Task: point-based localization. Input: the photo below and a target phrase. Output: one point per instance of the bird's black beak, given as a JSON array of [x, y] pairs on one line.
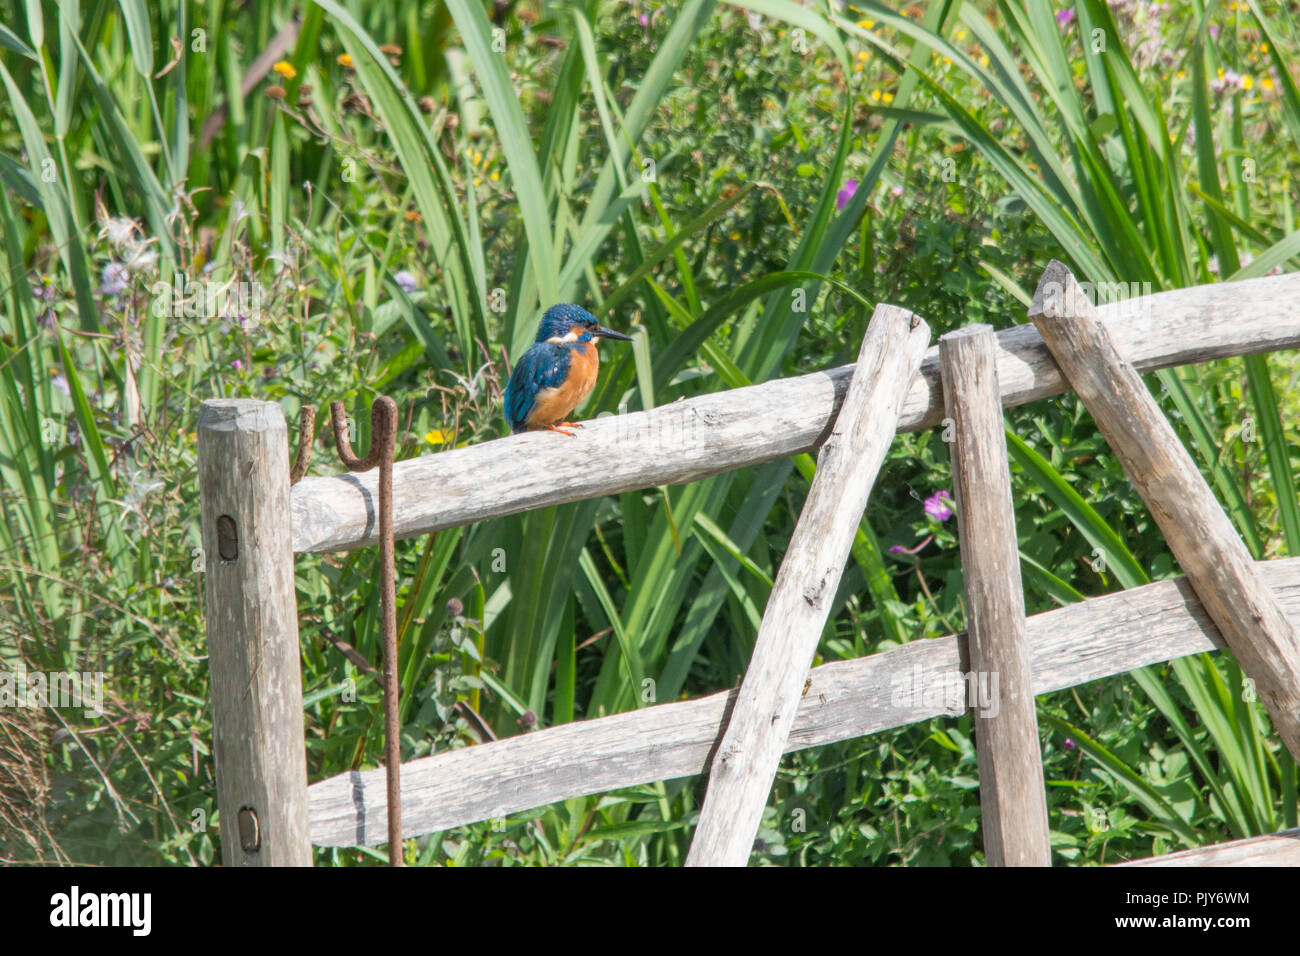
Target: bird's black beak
[[601, 332]]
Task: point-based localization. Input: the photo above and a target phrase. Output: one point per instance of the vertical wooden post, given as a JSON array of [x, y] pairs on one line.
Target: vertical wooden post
[[741, 774], [252, 623], [1198, 532], [1000, 689]]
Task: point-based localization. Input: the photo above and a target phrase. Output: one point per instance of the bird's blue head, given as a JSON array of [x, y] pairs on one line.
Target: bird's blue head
[[571, 323]]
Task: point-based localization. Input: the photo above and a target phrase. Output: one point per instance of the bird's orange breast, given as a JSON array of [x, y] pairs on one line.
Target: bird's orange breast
[[554, 404]]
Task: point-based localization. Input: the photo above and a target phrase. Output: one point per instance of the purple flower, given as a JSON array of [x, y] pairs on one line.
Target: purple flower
[[643, 20], [935, 506], [1069, 744], [1064, 17], [897, 192], [844, 195], [897, 549], [1214, 30], [237, 365], [113, 280], [406, 281]]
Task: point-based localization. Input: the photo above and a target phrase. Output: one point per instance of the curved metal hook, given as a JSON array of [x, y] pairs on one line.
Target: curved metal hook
[[383, 434]]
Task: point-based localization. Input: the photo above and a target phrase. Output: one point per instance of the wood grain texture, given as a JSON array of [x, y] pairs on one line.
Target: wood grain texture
[[252, 625], [1073, 645], [1013, 796], [710, 434], [1274, 849], [742, 771], [1198, 532]]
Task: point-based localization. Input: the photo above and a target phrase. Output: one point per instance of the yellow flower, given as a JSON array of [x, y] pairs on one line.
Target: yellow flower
[[1180, 75], [863, 55], [285, 69], [887, 97], [735, 236], [1263, 48], [1267, 82], [857, 67], [478, 181], [345, 60], [866, 24], [1247, 81], [875, 96], [435, 437], [984, 59], [959, 35], [495, 175]]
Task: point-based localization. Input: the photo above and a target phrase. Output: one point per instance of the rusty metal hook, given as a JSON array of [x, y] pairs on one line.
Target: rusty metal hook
[[383, 434], [383, 440], [306, 436]]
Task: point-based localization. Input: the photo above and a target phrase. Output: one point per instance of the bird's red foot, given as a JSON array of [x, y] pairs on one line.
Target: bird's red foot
[[569, 424], [556, 428]]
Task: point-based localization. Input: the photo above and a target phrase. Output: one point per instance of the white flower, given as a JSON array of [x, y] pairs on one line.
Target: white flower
[[119, 231], [140, 258]]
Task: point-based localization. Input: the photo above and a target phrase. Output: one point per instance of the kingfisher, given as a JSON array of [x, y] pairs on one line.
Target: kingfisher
[[557, 372]]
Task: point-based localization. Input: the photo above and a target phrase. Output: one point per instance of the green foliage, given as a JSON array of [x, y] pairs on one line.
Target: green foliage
[[392, 206]]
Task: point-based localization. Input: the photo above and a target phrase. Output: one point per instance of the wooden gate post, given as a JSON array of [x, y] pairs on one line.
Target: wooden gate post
[[1012, 792], [252, 623]]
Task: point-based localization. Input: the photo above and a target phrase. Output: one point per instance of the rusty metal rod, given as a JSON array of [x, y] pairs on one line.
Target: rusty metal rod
[[306, 436], [383, 439]]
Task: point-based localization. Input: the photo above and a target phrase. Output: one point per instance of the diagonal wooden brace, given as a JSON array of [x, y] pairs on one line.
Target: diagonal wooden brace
[[742, 771], [1199, 533]]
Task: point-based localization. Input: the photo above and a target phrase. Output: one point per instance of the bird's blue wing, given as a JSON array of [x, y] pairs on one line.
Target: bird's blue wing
[[542, 366]]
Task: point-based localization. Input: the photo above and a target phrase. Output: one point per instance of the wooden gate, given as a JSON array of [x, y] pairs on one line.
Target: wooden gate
[[254, 524]]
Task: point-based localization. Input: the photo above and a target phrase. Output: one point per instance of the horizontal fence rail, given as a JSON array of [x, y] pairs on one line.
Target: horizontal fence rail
[[1097, 638], [1275, 849], [710, 434]]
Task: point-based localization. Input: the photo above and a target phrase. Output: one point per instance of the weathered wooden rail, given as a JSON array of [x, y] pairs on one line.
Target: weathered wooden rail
[[253, 634], [722, 431], [1072, 645]]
